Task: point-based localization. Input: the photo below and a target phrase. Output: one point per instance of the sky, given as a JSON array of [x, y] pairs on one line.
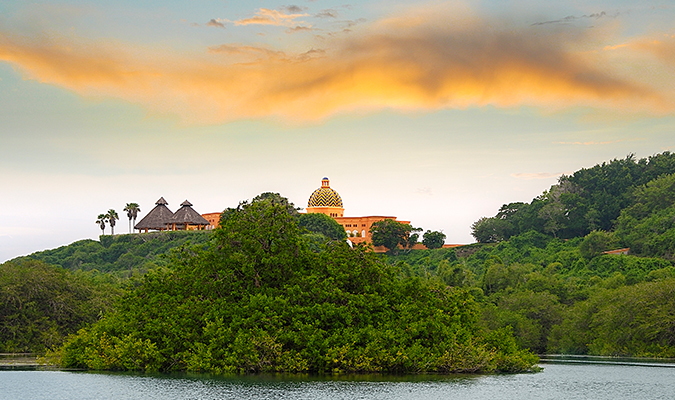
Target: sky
[[436, 112]]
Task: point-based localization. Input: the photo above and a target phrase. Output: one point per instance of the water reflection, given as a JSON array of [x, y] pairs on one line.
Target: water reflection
[[557, 381]]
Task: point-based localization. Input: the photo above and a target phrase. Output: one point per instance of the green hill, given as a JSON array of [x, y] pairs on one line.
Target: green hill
[[541, 269], [121, 254]]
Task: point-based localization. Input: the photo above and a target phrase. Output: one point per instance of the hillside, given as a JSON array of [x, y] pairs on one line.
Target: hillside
[[121, 254], [541, 270]]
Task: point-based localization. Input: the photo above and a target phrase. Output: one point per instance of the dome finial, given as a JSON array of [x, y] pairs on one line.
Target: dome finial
[[325, 183]]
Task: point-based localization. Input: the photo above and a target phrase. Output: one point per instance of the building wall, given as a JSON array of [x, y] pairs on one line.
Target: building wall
[[333, 212], [358, 228], [214, 220]]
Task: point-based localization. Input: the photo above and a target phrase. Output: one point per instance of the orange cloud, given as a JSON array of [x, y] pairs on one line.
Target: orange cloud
[[405, 64], [270, 17]]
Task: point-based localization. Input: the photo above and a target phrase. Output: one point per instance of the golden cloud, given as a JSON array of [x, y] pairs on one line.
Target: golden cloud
[[661, 47], [405, 64], [270, 17]]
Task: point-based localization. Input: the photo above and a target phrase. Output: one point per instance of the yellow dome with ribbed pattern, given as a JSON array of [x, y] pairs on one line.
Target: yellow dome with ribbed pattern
[[325, 196]]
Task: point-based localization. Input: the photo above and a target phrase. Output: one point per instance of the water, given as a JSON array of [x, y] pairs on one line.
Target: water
[[557, 381]]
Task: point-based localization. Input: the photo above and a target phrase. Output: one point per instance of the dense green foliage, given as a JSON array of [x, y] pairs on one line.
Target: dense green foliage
[[393, 234], [121, 254], [590, 199], [558, 300], [322, 224], [541, 269], [40, 304], [257, 299], [433, 239]]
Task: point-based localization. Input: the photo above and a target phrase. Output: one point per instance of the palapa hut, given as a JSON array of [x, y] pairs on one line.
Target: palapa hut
[[157, 219], [187, 218]]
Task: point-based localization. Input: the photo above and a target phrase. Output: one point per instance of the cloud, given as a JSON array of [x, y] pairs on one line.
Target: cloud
[[414, 62], [328, 13], [572, 18], [238, 49], [215, 23], [537, 175], [265, 16], [293, 9], [662, 47], [299, 28]]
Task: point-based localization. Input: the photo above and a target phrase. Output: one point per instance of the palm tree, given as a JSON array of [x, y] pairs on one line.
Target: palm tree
[[101, 220], [112, 216], [132, 210]]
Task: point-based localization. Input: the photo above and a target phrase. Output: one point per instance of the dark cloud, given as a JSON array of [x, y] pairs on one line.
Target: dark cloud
[[572, 18], [328, 13], [354, 22], [299, 28], [293, 9], [215, 24]]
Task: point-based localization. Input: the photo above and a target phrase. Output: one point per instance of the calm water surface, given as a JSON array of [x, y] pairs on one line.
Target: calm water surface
[[557, 381]]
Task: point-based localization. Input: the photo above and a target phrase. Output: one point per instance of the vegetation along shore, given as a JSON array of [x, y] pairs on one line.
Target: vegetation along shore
[[585, 268]]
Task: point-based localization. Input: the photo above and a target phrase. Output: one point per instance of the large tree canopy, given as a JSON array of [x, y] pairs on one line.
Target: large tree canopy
[[391, 234], [323, 224]]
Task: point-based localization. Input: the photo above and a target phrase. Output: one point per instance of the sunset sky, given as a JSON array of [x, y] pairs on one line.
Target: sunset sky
[[435, 112]]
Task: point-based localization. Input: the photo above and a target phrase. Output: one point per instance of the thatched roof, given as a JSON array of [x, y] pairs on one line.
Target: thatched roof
[[157, 218], [187, 215]]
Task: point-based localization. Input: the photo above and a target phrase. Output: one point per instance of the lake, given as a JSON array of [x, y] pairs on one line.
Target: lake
[[564, 381]]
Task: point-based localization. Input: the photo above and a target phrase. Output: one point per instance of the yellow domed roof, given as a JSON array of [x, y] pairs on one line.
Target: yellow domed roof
[[325, 196]]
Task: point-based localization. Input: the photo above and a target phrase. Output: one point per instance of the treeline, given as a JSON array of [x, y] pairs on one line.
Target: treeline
[[555, 299], [541, 270], [263, 296], [588, 200], [41, 304], [121, 255]]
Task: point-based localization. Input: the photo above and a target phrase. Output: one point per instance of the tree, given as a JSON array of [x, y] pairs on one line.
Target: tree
[[132, 210], [433, 240], [101, 220], [323, 224], [390, 234], [112, 216], [276, 198], [595, 243], [489, 230], [413, 238]]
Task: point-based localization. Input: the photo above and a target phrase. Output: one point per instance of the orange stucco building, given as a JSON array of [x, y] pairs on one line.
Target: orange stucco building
[[325, 200]]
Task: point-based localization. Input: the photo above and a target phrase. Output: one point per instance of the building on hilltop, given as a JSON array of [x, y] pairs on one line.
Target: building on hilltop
[[157, 218], [325, 200], [161, 218], [186, 218]]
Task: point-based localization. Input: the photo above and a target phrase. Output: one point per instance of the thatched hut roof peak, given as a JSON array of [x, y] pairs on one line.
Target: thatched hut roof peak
[[157, 218], [187, 215]]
